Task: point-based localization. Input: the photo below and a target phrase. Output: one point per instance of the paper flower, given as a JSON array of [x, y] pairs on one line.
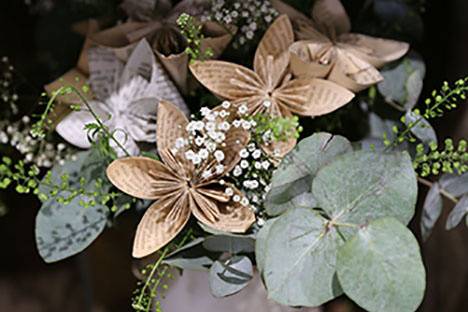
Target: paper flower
[[125, 99], [270, 88], [179, 185], [328, 50], [156, 21]]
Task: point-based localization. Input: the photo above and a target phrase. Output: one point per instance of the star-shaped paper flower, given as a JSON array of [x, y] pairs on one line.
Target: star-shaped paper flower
[[270, 88], [125, 99], [328, 50], [179, 184]]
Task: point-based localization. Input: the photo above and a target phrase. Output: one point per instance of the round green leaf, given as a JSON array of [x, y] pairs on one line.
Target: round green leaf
[[63, 230], [295, 173], [299, 260], [230, 276], [381, 269], [362, 186], [260, 244]]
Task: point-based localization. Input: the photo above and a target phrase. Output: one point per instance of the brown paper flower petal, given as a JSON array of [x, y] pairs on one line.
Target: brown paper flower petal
[[294, 96], [217, 37], [232, 217], [272, 70], [177, 67], [275, 42], [353, 73], [311, 59], [227, 80], [332, 15], [143, 177], [326, 97], [171, 125], [160, 224], [376, 51]]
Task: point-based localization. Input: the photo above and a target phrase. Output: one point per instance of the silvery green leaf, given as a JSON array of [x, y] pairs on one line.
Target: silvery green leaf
[[299, 259], [457, 185], [414, 86], [233, 245], [190, 257], [65, 230], [456, 215], [397, 86], [260, 244], [431, 210], [423, 129], [381, 268], [361, 186], [297, 169], [230, 276]]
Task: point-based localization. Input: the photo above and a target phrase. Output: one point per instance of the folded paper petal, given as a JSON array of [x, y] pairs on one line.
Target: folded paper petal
[[311, 59], [143, 177], [227, 80], [72, 127], [353, 73], [105, 72], [326, 96], [332, 15], [141, 119], [126, 143], [172, 124], [275, 42], [224, 216], [294, 96], [376, 51], [160, 224], [140, 63]]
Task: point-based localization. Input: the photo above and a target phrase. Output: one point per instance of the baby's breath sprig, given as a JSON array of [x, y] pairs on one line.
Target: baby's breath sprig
[[252, 17], [275, 129], [151, 290], [440, 101], [192, 31], [451, 159]]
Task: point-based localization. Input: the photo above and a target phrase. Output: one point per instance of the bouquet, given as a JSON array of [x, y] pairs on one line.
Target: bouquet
[[251, 138]]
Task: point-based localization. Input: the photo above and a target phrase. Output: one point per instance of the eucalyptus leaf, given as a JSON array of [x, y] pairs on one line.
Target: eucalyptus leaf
[[362, 186], [260, 244], [455, 184], [233, 245], [65, 230], [299, 259], [423, 129], [296, 171], [402, 84], [456, 215], [381, 269], [230, 276], [190, 257], [431, 210]]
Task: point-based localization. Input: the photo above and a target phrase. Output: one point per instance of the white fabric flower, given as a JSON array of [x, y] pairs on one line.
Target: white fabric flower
[[126, 99]]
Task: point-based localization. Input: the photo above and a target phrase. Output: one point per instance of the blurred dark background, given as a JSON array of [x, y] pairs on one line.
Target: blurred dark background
[[41, 46]]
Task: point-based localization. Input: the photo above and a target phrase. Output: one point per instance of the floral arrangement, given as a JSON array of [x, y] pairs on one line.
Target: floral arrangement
[[233, 162]]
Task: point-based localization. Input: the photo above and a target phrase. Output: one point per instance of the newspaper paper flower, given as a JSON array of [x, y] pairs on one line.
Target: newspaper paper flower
[[125, 99], [156, 21], [179, 186], [328, 49], [270, 88]]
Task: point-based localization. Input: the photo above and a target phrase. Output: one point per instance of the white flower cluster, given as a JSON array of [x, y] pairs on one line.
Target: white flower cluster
[[252, 17], [39, 153]]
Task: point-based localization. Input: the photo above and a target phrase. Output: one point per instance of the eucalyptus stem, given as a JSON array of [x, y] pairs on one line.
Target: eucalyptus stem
[[442, 191]]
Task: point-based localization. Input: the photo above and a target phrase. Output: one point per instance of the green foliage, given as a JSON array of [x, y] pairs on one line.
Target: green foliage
[[281, 129], [295, 173], [192, 31], [230, 276], [355, 193], [450, 159], [381, 268], [65, 230], [444, 100], [147, 296]]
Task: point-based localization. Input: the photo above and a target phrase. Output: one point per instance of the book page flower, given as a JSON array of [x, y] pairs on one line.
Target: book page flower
[[180, 184], [327, 48], [125, 99], [270, 88]]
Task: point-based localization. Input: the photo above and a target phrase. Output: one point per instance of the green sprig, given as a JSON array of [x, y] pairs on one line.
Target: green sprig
[[192, 31]]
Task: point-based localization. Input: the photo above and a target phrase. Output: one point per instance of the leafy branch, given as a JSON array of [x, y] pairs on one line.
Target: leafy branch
[[192, 31]]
